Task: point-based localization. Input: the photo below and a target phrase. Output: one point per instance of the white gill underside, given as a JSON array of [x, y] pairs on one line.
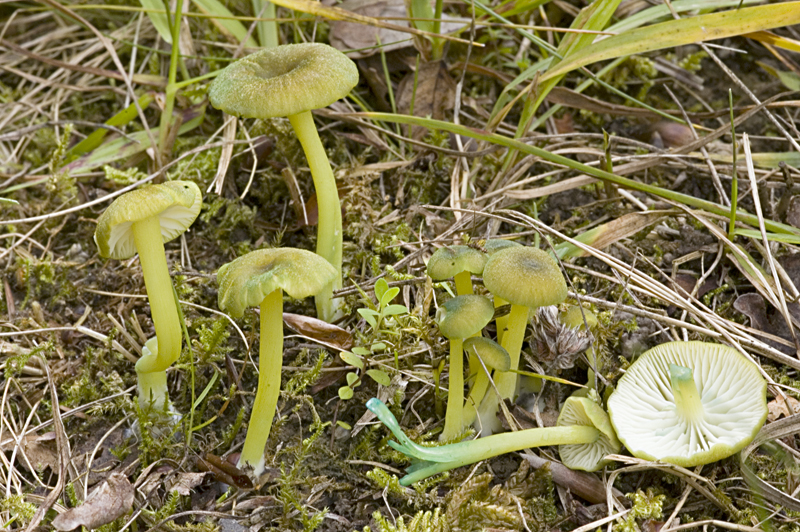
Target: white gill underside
[[648, 420], [173, 221]]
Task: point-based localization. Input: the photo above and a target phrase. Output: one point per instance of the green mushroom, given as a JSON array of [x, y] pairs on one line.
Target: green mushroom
[[292, 80], [142, 220], [574, 429], [458, 262], [689, 403], [459, 318], [259, 279], [527, 278], [494, 357]]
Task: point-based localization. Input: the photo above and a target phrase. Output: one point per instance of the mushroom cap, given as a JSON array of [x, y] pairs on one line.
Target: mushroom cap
[[496, 244], [492, 353], [730, 388], [525, 276], [283, 81], [176, 203], [449, 262], [246, 281], [463, 316], [587, 456]]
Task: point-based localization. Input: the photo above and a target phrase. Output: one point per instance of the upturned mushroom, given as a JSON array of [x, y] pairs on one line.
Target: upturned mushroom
[[292, 80], [574, 430], [688, 403], [527, 278], [142, 221], [259, 279], [459, 318]]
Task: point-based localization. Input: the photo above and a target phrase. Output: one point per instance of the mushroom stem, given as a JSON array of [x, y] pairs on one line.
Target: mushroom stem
[[505, 381], [502, 321], [463, 282], [687, 398], [329, 228], [453, 419], [153, 389], [270, 360], [445, 457], [149, 244], [477, 392]]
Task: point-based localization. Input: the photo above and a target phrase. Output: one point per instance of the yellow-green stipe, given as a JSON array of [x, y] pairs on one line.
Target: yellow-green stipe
[[329, 228], [506, 381], [453, 420], [147, 236], [152, 387], [463, 282], [684, 389], [270, 361]]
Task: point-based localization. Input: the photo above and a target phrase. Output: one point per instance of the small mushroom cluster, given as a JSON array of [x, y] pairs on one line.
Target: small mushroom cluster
[[684, 403]]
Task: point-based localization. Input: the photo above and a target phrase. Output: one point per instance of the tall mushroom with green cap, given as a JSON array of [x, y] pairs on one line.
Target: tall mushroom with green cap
[[292, 80], [259, 279], [427, 461], [460, 318], [142, 220], [458, 262], [527, 278], [688, 403], [491, 247]]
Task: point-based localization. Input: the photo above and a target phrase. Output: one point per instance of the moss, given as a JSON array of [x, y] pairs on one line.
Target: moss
[[646, 505]]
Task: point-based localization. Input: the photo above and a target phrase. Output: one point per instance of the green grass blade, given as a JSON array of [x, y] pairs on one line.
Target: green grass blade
[[681, 32], [228, 24], [156, 13]]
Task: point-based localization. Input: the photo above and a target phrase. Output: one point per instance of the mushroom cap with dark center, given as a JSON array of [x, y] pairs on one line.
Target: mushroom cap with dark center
[[176, 203], [587, 456], [492, 353], [525, 276], [284, 81], [730, 390], [246, 281], [463, 316], [450, 261]]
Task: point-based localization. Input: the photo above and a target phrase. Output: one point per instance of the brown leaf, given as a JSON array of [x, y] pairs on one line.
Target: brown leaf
[[111, 500], [778, 408], [434, 94], [40, 452], [319, 330], [361, 40], [184, 483]]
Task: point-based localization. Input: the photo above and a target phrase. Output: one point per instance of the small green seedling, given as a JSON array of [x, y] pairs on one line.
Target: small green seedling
[[377, 317]]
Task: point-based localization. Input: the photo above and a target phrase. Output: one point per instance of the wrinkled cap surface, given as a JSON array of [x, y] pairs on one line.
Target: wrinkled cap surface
[[587, 456], [176, 203], [731, 390], [283, 81], [449, 262], [246, 281], [463, 316], [492, 353], [525, 276]]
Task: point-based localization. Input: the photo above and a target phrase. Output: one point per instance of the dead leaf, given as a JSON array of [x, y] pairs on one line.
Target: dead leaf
[[184, 483], [319, 330], [361, 40], [778, 408], [40, 451], [433, 95], [111, 500]]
